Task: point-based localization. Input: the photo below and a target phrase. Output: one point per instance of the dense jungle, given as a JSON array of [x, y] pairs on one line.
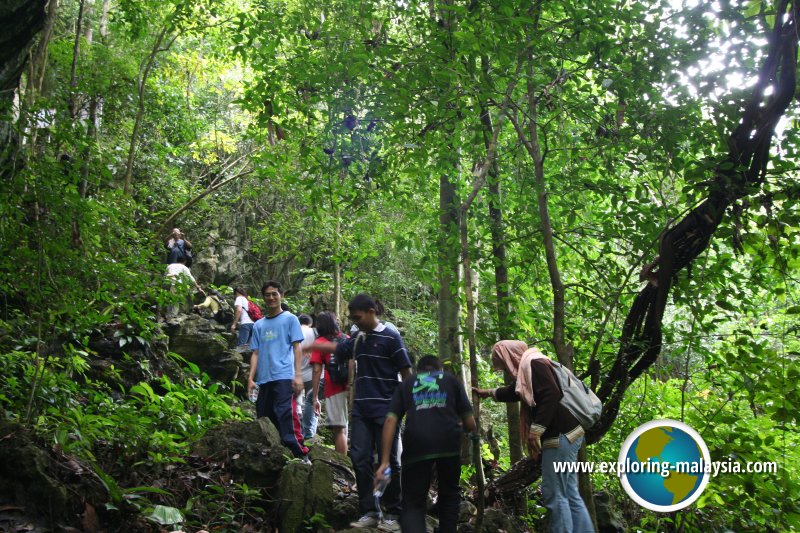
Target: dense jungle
[[614, 182]]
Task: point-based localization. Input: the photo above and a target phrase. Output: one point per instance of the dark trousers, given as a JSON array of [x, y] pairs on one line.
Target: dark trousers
[[277, 402], [365, 441], [417, 481]]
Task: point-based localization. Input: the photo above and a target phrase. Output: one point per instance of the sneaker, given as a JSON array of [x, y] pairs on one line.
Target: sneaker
[[306, 460], [368, 520], [389, 524]]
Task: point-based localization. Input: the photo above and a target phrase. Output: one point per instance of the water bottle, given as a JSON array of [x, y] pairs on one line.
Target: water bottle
[[254, 394], [387, 477]]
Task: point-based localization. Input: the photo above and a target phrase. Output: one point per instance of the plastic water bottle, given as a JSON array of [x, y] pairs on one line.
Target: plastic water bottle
[[387, 477], [254, 394]]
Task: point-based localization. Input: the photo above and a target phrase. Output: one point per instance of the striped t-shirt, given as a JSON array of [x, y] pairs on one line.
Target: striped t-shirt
[[380, 355]]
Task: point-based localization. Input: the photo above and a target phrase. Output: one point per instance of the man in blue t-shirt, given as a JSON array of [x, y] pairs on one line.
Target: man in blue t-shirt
[[275, 368]]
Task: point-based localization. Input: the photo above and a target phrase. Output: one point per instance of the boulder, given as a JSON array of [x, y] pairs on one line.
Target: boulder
[[205, 343], [132, 363], [44, 483], [609, 516], [304, 491], [252, 450]]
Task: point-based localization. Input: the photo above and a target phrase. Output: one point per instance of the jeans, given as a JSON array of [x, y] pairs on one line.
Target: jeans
[[568, 513], [310, 417], [417, 481], [276, 401], [245, 330], [365, 441]]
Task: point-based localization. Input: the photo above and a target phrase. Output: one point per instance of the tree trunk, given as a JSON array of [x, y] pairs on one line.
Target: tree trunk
[[472, 348], [76, 52], [449, 275], [502, 304], [9, 81], [104, 20], [91, 123], [137, 124], [38, 61]]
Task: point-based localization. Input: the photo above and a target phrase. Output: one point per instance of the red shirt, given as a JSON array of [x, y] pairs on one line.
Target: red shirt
[[320, 358]]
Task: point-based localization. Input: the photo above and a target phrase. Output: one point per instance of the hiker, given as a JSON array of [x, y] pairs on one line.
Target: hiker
[[379, 356], [310, 415], [241, 318], [178, 245], [335, 393], [176, 274], [217, 306], [548, 428], [275, 368], [437, 414], [379, 311]]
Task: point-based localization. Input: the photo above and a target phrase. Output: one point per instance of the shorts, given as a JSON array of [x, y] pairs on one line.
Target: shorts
[[336, 410]]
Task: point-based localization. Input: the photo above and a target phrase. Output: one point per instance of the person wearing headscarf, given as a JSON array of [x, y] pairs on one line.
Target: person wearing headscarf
[[547, 427]]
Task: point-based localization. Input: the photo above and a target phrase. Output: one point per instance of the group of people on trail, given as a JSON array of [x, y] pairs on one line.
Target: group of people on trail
[[370, 404], [291, 360]]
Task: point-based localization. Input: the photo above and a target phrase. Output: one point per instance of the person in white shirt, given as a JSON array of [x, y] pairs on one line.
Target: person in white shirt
[[176, 273], [241, 318], [310, 416]]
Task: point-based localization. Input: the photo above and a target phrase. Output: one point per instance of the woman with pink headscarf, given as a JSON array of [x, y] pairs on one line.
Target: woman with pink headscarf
[[547, 427]]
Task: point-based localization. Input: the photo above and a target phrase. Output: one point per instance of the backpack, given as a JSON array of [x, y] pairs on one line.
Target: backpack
[[579, 399], [253, 311], [225, 314], [339, 368], [181, 252]]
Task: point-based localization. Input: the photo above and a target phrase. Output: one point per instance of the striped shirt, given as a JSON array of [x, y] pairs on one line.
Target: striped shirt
[[380, 356]]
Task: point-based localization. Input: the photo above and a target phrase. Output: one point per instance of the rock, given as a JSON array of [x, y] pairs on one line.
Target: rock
[[205, 343], [344, 505], [609, 517], [496, 520], [45, 484], [132, 363], [304, 490], [254, 455], [253, 451], [220, 255], [466, 511]]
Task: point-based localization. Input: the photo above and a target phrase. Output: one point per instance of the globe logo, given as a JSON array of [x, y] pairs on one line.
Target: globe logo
[[664, 465]]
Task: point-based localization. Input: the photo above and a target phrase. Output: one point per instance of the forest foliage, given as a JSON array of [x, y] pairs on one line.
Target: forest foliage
[[326, 133]]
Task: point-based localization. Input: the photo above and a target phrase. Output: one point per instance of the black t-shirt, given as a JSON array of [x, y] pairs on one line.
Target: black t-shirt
[[435, 403]]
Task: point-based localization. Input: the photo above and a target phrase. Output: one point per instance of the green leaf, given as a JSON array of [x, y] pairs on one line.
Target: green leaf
[[724, 304], [166, 516]]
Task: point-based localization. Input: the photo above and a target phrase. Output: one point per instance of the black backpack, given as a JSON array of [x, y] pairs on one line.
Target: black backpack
[[187, 254], [225, 314], [339, 368]]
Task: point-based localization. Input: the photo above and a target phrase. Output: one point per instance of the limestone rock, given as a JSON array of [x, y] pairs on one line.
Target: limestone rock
[[253, 451], [205, 343], [132, 363], [609, 517], [304, 490], [48, 485]]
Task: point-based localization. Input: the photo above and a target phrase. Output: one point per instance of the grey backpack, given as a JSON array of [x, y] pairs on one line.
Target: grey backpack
[[581, 401]]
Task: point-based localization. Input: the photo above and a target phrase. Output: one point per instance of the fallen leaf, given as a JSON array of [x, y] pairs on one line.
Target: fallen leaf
[[89, 520]]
